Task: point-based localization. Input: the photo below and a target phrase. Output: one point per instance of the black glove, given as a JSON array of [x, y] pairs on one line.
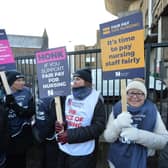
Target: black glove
[[20, 111], [10, 101]]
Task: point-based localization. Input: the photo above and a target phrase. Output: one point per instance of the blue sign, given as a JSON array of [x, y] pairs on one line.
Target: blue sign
[[53, 73]]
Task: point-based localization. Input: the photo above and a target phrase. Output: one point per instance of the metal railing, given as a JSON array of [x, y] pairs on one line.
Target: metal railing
[[91, 58]]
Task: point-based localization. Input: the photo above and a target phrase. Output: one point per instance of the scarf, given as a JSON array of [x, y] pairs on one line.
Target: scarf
[[81, 92]]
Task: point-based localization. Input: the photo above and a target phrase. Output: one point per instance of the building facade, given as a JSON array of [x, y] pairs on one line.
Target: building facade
[[23, 45]]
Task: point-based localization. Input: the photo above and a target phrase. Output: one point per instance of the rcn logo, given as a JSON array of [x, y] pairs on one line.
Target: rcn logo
[[117, 73]]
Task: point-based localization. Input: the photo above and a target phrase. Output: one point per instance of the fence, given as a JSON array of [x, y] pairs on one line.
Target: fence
[[156, 67]]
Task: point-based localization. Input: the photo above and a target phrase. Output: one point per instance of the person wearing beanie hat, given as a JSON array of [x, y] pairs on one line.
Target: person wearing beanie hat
[[136, 132], [85, 121], [136, 93], [12, 76], [85, 74], [20, 108], [137, 84]]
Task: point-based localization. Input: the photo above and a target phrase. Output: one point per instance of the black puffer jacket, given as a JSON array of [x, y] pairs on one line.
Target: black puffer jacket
[[4, 136]]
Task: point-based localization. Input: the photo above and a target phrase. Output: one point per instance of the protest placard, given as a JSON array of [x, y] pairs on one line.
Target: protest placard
[[7, 61], [122, 49], [53, 75]]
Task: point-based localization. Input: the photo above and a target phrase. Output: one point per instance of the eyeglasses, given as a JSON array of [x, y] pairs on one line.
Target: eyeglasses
[[137, 94]]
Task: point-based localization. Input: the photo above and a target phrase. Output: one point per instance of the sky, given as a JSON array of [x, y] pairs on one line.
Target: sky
[[67, 22]]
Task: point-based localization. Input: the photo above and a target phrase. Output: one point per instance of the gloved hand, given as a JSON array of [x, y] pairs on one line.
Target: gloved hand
[[130, 133], [20, 111], [10, 101], [59, 127], [62, 137], [123, 120]]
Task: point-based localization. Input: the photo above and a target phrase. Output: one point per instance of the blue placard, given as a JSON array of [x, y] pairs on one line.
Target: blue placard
[[53, 73]]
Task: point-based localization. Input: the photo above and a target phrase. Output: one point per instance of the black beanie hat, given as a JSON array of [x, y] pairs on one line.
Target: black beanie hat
[[12, 76], [85, 74]]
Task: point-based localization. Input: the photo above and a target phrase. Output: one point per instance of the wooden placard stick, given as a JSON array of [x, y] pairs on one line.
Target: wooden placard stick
[[58, 109], [5, 83], [123, 95]]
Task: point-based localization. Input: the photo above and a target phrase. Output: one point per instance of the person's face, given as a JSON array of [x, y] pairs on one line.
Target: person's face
[[18, 84], [77, 82], [135, 97]]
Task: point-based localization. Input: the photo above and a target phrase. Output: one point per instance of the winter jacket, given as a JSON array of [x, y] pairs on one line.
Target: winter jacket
[[150, 134], [82, 134], [19, 115], [44, 125], [19, 121], [4, 136], [44, 130]]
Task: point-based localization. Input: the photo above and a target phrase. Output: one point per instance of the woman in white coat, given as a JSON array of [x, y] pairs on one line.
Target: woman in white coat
[[134, 132]]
